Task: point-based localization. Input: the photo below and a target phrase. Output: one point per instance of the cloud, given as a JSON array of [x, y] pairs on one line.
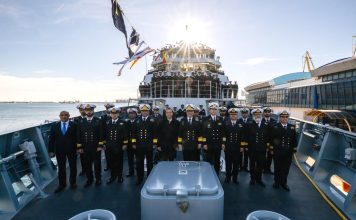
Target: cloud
[[83, 9], [257, 61], [63, 88], [44, 71]]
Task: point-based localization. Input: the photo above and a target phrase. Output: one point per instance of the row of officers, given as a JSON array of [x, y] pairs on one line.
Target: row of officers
[[252, 141]]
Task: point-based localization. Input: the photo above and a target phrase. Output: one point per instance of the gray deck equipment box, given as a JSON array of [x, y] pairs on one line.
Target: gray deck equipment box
[[182, 190]]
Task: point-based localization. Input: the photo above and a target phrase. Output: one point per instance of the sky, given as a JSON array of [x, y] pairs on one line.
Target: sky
[[64, 49]]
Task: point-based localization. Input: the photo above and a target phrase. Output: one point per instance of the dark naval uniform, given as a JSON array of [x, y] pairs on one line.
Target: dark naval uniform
[[213, 138], [233, 139], [244, 155], [167, 133], [284, 144], [115, 137], [130, 126], [103, 119], [88, 138], [144, 136], [78, 120], [189, 137], [258, 137], [270, 122]]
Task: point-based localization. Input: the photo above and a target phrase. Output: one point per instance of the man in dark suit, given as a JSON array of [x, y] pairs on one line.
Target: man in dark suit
[[62, 141], [167, 134], [283, 145], [258, 137], [270, 122]]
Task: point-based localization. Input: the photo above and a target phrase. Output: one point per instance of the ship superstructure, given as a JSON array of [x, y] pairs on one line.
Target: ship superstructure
[[187, 73]]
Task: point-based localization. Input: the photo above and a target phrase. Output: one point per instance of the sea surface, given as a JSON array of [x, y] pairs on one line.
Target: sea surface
[[16, 116]]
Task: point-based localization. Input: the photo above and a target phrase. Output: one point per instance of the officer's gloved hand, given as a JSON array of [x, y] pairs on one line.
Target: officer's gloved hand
[[241, 149], [133, 146], [80, 151], [180, 147], [124, 147], [223, 147], [99, 148], [199, 146], [159, 148], [205, 147]]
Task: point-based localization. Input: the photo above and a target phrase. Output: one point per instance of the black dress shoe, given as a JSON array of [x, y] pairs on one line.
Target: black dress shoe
[[138, 182], [275, 185], [252, 182], [88, 183], [227, 179], [261, 183], [235, 181], [73, 186], [129, 175], [110, 180], [120, 180], [268, 171], [286, 187], [59, 189], [97, 182]]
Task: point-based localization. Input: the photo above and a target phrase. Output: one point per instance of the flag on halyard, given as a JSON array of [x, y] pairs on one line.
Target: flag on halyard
[[117, 17], [164, 59]]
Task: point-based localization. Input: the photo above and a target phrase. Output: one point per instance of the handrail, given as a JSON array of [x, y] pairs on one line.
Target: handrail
[[11, 157]]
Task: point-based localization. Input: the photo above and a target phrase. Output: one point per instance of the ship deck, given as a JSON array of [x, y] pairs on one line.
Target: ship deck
[[302, 202]]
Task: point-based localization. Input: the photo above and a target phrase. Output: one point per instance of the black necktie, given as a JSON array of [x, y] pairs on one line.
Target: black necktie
[[190, 121], [233, 123]]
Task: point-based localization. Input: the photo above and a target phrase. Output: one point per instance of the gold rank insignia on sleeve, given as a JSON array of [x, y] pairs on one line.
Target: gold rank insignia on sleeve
[[243, 143], [126, 141], [133, 140], [79, 145], [180, 140], [200, 139], [155, 140]]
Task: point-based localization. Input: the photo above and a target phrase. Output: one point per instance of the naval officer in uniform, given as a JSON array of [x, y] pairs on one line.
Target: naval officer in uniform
[[284, 144], [270, 122], [103, 119], [189, 135], [245, 120], [213, 136], [258, 137], [130, 124], [88, 143], [78, 120], [143, 140], [233, 139], [115, 139]]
